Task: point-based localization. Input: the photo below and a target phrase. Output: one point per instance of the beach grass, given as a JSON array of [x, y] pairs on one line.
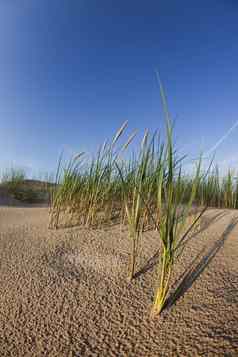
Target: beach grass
[[144, 189]]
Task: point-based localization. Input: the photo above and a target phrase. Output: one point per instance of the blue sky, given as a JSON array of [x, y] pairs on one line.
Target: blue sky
[[73, 71]]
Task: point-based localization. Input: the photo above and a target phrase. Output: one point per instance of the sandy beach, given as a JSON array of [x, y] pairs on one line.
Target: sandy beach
[[64, 292]]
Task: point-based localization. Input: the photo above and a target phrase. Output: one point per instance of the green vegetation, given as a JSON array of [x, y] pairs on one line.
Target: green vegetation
[[173, 216], [147, 190], [137, 186], [95, 191], [217, 191], [13, 178], [20, 188]]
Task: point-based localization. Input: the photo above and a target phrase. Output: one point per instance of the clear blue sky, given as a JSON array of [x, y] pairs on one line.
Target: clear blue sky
[[73, 71]]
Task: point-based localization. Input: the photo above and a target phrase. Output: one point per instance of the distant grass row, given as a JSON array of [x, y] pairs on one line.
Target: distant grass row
[[27, 191], [93, 191]]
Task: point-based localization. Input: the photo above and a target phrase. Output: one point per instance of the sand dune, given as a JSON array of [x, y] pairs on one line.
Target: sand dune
[[64, 293], [6, 199]]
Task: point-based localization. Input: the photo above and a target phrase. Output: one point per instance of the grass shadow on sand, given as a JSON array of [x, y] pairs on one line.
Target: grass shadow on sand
[[61, 266], [149, 265], [207, 222], [155, 258], [192, 273]]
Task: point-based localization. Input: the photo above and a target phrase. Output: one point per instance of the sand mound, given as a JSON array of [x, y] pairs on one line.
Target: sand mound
[[64, 293]]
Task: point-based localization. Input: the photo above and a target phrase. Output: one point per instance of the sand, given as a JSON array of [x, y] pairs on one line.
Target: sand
[[64, 293]]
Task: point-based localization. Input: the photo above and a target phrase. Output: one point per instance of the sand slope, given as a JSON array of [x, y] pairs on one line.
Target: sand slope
[[64, 293]]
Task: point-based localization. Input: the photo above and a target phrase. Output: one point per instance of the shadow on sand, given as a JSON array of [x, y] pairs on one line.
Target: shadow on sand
[[205, 224], [192, 273], [149, 265]]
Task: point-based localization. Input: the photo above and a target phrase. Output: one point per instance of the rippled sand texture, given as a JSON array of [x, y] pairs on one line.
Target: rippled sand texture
[[64, 293]]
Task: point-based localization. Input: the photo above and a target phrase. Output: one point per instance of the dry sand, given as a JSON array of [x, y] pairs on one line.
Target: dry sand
[[64, 293]]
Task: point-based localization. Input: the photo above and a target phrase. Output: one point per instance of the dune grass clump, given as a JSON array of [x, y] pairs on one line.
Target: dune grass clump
[[148, 190], [174, 206], [13, 179], [93, 191], [15, 182], [137, 183], [63, 189], [218, 191], [174, 211], [87, 191], [26, 190]]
